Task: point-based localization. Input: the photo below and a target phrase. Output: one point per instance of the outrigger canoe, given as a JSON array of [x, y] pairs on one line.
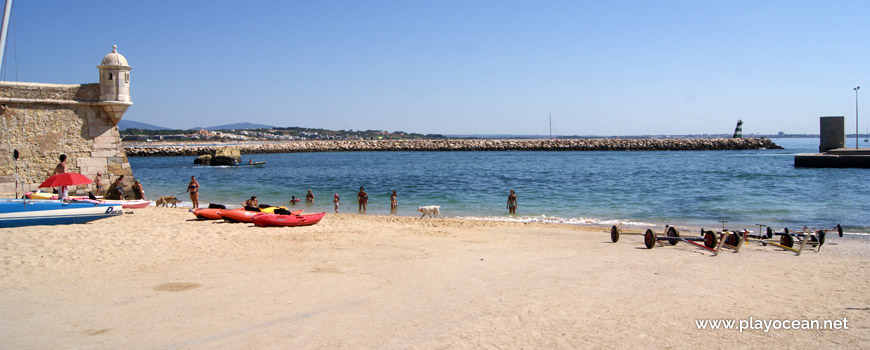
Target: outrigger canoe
[[275, 220]]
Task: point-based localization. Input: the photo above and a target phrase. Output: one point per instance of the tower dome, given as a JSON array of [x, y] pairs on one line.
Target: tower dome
[[114, 58]]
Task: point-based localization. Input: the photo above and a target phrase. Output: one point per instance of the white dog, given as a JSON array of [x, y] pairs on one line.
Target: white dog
[[430, 209]]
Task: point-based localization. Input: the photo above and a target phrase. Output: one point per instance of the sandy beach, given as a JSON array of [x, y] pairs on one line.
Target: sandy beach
[[158, 279]]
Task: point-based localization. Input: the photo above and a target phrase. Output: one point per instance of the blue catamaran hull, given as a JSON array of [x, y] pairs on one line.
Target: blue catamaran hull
[[21, 212]]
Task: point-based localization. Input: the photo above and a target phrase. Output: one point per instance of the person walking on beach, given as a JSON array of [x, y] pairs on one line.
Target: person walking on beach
[[363, 199], [336, 201], [394, 204], [252, 204], [98, 183], [193, 189], [512, 202], [118, 185], [60, 169], [309, 197]]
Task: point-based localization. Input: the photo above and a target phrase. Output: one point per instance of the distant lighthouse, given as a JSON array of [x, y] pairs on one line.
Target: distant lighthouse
[[738, 131]]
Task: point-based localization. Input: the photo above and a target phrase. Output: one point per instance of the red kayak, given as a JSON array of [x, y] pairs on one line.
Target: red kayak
[[272, 220], [242, 215]]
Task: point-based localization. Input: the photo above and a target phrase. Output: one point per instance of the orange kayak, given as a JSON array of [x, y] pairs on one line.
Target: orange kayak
[[208, 214], [271, 220]]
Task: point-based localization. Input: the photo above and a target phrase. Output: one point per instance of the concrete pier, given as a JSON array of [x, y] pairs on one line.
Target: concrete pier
[[835, 158]]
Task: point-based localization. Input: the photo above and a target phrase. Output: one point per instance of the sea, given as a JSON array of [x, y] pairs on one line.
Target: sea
[[626, 188]]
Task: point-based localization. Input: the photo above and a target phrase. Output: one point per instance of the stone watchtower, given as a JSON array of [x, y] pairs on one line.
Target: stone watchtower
[[114, 85], [42, 121]]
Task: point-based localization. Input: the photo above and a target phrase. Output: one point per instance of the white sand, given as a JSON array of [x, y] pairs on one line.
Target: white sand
[[157, 279]]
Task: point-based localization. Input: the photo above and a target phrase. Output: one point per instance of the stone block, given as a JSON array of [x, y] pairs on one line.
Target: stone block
[[104, 154]]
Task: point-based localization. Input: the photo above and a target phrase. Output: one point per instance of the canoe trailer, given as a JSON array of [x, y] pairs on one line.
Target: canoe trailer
[[715, 241], [708, 239]]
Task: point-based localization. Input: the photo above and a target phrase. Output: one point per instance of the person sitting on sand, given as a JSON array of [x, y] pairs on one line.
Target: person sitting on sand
[[363, 199], [118, 185], [512, 202], [251, 204], [138, 191], [336, 201], [309, 197]]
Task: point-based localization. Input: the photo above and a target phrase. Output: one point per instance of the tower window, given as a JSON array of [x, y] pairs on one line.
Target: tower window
[[127, 77], [110, 76]]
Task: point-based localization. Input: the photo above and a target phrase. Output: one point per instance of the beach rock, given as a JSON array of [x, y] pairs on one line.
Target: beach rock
[[225, 156], [204, 159]]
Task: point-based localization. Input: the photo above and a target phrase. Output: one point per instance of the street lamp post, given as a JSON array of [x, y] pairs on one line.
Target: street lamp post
[[856, 115]]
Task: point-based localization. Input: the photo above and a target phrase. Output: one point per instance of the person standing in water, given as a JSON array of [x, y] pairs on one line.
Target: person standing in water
[[309, 197], [512, 202], [336, 201], [193, 188], [394, 203], [363, 199]]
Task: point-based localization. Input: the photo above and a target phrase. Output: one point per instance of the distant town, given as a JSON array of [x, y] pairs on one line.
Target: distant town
[[268, 134], [138, 132]]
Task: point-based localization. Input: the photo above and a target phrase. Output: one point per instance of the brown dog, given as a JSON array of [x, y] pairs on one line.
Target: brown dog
[[167, 200]]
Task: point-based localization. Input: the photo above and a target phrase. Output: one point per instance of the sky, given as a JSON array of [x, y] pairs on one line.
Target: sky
[[463, 67]]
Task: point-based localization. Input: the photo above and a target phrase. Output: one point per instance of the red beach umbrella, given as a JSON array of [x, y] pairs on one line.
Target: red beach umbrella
[[66, 179]]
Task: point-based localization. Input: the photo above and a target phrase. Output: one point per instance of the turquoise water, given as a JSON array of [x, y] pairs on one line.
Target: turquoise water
[[686, 188]]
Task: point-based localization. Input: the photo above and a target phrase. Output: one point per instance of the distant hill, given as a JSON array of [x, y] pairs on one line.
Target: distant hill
[[239, 126], [130, 124]]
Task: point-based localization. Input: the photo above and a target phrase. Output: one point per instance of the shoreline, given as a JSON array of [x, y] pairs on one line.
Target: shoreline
[[159, 279], [452, 145]]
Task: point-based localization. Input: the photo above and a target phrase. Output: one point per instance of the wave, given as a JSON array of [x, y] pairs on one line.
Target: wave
[[547, 219]]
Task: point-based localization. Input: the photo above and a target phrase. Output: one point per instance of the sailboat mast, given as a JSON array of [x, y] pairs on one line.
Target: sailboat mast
[[3, 31]]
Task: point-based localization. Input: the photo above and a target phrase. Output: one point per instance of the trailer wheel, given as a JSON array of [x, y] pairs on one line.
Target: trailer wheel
[[614, 234], [732, 239], [787, 240], [821, 236], [769, 232], [649, 238], [710, 239], [672, 232]]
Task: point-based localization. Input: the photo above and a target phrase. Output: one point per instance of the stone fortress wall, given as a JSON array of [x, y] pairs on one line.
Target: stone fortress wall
[[43, 121]]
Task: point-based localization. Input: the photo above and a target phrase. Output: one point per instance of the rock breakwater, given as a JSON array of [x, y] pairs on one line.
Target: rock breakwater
[[168, 149]]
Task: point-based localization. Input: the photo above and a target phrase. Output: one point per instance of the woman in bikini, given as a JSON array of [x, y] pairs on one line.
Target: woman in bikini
[[512, 202], [363, 199], [193, 188], [394, 203]]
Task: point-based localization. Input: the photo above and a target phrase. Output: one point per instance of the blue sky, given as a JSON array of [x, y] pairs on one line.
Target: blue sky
[[463, 67]]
